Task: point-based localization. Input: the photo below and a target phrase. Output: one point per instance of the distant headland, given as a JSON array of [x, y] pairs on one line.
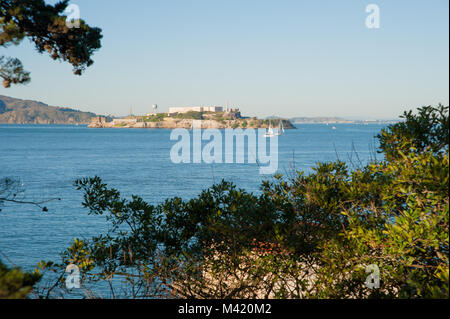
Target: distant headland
[[17, 111]]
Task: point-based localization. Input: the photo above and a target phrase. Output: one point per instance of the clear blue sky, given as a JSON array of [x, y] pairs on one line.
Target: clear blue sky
[[286, 58]]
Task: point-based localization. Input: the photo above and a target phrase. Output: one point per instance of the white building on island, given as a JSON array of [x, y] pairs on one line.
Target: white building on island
[[173, 110]]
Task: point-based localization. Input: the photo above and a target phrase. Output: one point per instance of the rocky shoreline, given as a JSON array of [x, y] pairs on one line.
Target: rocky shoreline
[[172, 123]]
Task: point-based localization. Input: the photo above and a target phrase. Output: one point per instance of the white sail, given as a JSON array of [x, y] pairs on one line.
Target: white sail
[[269, 132], [280, 130]]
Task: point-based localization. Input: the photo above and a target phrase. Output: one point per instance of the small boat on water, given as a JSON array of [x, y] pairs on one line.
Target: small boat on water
[[280, 130], [269, 132]]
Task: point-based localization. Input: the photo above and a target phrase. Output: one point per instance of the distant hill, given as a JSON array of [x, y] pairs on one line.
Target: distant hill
[[16, 111]]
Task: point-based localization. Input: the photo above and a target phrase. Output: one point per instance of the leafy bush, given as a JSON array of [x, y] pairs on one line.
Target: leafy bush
[[155, 117], [305, 236], [191, 115], [16, 284], [428, 130]]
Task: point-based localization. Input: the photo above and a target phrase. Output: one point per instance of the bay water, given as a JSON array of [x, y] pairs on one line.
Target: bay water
[[47, 159]]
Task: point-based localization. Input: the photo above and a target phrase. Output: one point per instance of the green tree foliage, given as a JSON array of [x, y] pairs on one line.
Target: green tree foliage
[[16, 284], [12, 72], [399, 218], [428, 130], [304, 236], [158, 117], [190, 115], [45, 25]]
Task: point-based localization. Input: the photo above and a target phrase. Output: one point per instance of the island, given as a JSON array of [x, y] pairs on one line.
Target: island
[[211, 117]]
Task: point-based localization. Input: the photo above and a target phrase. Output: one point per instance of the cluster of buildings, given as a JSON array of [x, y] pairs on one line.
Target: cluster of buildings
[[232, 113], [214, 109], [176, 110]]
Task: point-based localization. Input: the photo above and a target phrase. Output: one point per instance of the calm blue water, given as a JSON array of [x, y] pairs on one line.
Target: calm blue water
[[47, 160]]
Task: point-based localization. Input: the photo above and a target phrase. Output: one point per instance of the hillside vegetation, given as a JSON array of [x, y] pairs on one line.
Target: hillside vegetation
[[16, 111]]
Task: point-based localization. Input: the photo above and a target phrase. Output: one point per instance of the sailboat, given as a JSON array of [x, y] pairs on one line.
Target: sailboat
[[280, 130], [269, 132]]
